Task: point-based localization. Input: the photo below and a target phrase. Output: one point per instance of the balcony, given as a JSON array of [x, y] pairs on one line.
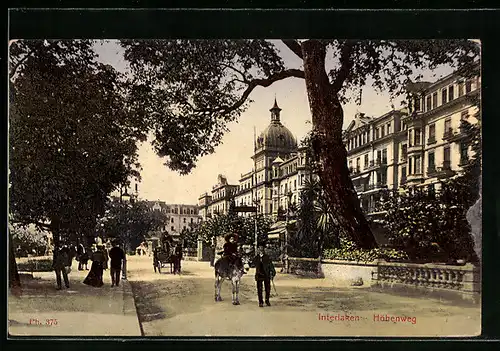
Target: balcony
[[360, 188], [415, 177], [448, 134], [432, 171], [375, 186], [445, 170]]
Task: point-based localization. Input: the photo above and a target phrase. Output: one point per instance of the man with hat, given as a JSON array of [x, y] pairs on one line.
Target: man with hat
[[264, 273], [231, 251]]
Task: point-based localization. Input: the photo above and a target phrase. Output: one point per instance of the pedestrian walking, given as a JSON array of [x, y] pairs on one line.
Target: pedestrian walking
[[62, 259], [178, 258], [117, 256], [94, 278], [264, 273]]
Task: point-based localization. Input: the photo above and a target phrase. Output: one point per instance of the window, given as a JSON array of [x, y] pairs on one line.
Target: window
[[295, 184], [447, 125], [376, 133], [410, 168], [434, 100], [468, 86], [366, 161], [388, 128], [446, 157], [382, 131], [430, 161], [417, 136], [184, 220], [432, 133], [403, 174], [358, 164], [444, 95], [171, 220], [460, 89], [379, 156], [417, 104], [417, 165], [404, 151], [384, 156], [428, 103], [450, 93], [172, 228]]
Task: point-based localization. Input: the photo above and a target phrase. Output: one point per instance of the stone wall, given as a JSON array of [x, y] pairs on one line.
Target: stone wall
[[438, 280]]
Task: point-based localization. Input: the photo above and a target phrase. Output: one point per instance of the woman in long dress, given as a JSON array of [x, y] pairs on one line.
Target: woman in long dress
[[94, 278]]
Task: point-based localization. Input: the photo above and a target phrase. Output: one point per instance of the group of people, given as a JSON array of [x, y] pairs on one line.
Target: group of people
[[99, 257], [264, 267]]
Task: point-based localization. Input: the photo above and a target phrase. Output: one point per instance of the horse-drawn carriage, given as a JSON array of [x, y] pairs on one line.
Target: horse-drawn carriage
[[167, 253], [162, 258]]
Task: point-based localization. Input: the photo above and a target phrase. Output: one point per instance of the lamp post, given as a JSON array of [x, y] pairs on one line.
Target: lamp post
[[289, 198], [124, 197], [257, 205]]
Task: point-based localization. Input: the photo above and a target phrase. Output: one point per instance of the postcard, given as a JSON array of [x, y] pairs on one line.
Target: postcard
[[245, 187]]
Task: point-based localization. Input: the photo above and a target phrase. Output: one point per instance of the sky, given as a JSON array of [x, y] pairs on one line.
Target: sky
[[232, 157]]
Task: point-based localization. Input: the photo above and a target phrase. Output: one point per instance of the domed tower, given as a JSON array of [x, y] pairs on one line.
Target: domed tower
[[276, 140]]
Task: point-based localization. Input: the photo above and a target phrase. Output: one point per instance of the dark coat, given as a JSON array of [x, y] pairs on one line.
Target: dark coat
[[62, 258], [230, 249], [264, 268]]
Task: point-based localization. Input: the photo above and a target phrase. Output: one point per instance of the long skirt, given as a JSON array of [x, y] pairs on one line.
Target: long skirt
[[94, 278]]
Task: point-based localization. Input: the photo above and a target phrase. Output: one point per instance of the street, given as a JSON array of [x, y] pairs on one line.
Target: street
[[184, 305]]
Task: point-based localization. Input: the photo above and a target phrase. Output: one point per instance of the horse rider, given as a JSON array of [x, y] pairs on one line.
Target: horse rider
[[231, 251]]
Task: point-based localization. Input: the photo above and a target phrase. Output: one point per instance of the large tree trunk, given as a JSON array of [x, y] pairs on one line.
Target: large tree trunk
[[14, 279], [329, 149]]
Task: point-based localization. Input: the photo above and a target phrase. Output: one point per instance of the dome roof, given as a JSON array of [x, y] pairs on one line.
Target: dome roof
[[276, 135]]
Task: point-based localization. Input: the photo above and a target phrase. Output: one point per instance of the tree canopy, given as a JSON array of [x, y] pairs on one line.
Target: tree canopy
[[193, 88], [72, 134]]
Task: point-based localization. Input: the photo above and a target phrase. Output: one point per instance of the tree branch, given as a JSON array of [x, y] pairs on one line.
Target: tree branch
[[346, 64], [265, 82], [294, 46], [236, 70], [14, 67]]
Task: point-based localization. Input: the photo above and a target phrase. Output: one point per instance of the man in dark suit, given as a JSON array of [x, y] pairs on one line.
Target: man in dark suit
[[264, 273], [62, 259]]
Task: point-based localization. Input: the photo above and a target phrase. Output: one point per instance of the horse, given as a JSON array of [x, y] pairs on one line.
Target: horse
[[224, 269]]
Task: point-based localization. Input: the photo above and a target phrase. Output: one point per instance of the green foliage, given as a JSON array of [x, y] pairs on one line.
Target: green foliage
[[130, 222], [72, 134], [317, 226], [25, 240], [189, 236], [349, 252], [431, 226]]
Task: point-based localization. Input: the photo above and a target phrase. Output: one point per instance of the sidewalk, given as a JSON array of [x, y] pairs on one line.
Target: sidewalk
[[79, 311]]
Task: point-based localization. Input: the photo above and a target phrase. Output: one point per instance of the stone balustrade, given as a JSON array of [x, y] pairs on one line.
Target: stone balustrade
[[437, 279], [462, 280]]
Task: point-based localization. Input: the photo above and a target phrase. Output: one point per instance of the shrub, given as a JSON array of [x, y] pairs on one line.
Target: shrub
[[44, 265], [348, 252]]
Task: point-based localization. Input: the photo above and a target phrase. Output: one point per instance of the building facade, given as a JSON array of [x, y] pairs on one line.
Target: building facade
[[179, 217], [417, 146], [273, 183]]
